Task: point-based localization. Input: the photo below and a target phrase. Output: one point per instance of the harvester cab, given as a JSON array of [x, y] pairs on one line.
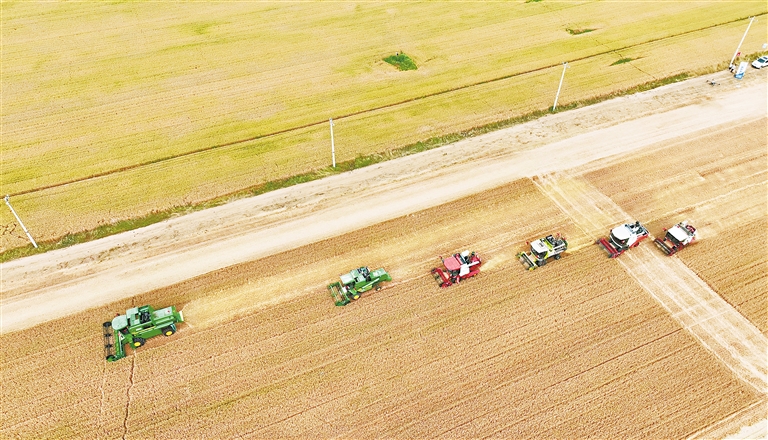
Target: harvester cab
[[456, 268], [676, 238], [551, 246], [623, 237], [136, 326], [356, 282]]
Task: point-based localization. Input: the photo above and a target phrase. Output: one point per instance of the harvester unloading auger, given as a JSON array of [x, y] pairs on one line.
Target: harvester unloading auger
[[551, 246], [457, 267], [356, 282], [676, 238], [623, 237], [136, 326]]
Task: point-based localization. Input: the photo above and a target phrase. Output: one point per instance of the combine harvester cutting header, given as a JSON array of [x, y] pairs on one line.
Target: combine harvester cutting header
[[136, 326], [542, 249], [622, 238], [457, 267], [676, 238], [355, 283]]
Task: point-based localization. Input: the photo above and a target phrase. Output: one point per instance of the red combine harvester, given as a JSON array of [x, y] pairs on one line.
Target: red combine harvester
[[457, 267], [622, 238], [676, 238]]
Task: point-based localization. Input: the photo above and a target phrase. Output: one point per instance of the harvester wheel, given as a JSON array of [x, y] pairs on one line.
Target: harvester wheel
[[557, 257], [378, 288], [107, 324], [168, 331], [355, 296], [541, 262], [138, 342]]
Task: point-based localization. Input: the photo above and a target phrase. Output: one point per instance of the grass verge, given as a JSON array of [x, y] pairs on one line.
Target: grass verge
[[359, 162]]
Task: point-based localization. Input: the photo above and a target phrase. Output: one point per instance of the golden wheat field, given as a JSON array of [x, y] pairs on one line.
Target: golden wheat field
[[574, 349], [146, 106], [117, 110]]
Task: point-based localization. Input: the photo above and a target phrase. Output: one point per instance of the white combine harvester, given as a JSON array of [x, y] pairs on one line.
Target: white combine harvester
[[622, 238], [676, 238]]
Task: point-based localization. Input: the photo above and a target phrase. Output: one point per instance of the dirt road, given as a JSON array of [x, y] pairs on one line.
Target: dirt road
[[58, 283]]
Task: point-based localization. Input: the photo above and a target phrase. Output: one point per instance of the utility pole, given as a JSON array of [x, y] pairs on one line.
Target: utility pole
[[8, 202], [333, 148], [565, 66], [730, 65]]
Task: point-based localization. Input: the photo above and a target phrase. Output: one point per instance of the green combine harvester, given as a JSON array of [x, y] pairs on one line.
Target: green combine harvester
[[136, 326], [356, 282]]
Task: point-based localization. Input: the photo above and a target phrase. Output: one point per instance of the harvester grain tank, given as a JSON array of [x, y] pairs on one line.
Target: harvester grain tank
[[623, 237], [456, 268], [676, 238], [356, 282], [551, 246], [136, 326]]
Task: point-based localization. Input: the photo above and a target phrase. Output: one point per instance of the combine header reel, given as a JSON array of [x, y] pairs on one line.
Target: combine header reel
[[551, 246], [136, 326], [456, 268], [356, 282], [676, 238], [622, 238]]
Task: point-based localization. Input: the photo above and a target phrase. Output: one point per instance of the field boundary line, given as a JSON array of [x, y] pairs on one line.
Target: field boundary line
[[362, 112]]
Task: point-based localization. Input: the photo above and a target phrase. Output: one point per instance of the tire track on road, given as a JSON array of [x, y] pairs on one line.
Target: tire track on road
[[719, 327]]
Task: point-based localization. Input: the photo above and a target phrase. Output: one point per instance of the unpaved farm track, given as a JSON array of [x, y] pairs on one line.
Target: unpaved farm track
[[714, 322], [55, 284]]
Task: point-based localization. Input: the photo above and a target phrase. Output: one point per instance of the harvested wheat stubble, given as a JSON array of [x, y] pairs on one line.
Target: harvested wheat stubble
[[739, 276], [414, 355], [719, 183], [682, 177], [590, 354]]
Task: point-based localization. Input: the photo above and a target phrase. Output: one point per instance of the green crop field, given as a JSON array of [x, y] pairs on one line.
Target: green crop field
[[114, 110]]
